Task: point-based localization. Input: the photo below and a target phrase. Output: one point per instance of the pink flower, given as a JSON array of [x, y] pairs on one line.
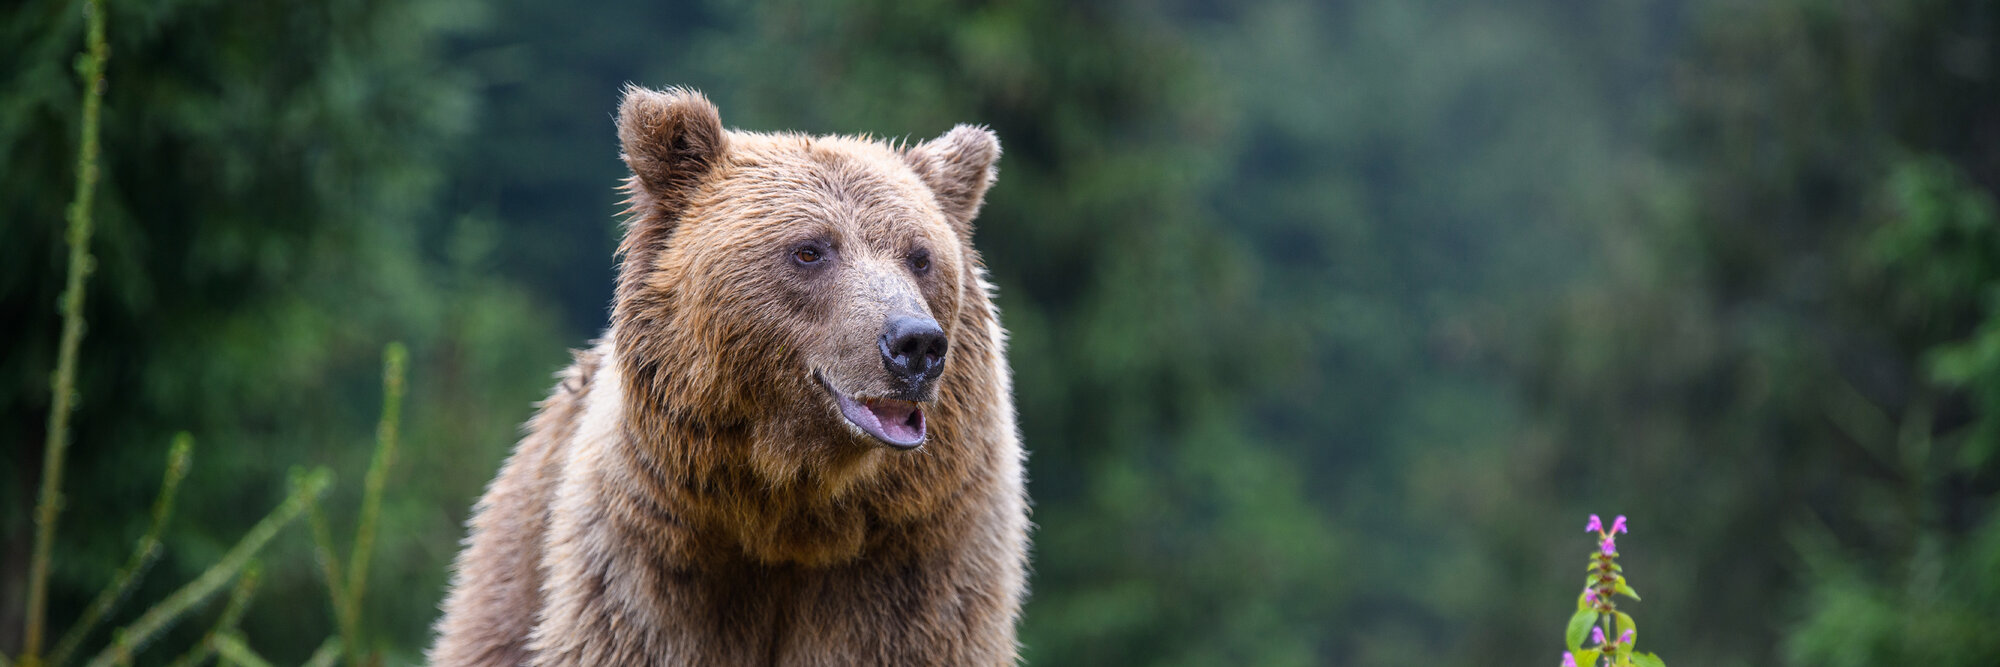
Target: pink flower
[[1618, 525], [1590, 595], [1608, 546], [1626, 637], [1568, 660], [1597, 635], [1595, 524]]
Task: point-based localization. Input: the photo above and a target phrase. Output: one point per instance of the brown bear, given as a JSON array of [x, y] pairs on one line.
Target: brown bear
[[795, 444]]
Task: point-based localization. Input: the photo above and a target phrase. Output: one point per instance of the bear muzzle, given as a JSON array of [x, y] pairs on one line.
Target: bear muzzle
[[913, 352]]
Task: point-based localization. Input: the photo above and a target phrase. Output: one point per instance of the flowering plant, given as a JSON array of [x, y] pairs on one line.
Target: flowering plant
[[1611, 633]]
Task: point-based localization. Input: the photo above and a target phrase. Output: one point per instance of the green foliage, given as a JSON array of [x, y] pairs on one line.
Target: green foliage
[[236, 565], [1935, 606], [1940, 250], [268, 216], [1773, 358], [1579, 628]]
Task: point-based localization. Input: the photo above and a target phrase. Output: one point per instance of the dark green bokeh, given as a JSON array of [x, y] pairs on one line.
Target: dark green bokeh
[[1331, 321]]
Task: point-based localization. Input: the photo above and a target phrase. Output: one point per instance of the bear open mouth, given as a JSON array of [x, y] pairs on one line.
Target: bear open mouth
[[897, 423]]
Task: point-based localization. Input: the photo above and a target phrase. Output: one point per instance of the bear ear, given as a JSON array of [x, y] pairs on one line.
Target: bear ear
[[958, 166], [670, 139]]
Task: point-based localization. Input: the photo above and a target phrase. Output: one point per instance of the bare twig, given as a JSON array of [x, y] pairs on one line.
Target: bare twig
[[63, 384]]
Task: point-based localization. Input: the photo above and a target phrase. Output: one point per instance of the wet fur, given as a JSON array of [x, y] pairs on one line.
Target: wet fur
[[689, 495]]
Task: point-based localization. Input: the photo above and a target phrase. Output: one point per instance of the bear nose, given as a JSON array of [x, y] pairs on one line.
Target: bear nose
[[913, 348]]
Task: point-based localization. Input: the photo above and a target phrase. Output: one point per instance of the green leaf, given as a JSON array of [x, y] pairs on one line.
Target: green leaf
[[1625, 590], [1624, 623], [1586, 658], [1579, 627], [1647, 660]]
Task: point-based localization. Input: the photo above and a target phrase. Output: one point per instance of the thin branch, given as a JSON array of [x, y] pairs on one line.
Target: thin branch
[[239, 601], [394, 359], [63, 384], [135, 636], [143, 555]]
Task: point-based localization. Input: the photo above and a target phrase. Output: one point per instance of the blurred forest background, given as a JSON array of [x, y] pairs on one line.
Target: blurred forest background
[[1331, 320]]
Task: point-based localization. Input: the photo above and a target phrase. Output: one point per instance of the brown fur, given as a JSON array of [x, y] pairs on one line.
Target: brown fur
[[690, 493]]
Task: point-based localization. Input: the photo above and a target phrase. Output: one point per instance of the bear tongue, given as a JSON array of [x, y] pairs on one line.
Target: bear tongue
[[898, 423]]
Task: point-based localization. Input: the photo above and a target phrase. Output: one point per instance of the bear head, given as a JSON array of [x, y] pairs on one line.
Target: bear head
[[803, 293]]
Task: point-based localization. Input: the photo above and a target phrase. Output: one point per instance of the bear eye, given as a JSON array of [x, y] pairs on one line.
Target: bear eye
[[808, 255], [921, 261]]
